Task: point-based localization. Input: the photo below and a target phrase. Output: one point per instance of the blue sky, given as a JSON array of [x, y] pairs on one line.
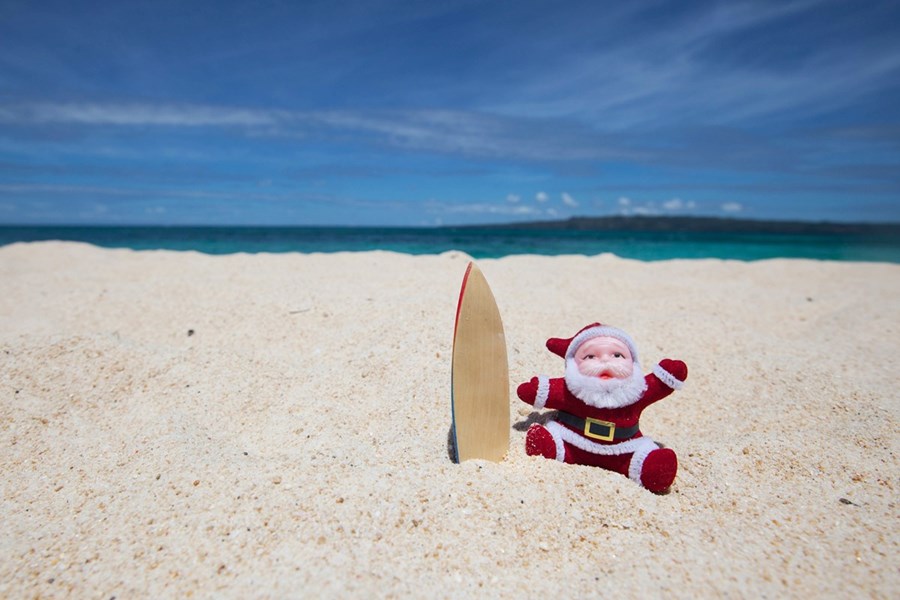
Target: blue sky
[[385, 112]]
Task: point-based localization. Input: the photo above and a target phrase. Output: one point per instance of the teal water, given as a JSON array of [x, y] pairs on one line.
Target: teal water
[[479, 243]]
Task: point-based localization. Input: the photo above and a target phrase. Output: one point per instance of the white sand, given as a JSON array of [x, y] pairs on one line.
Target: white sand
[[296, 443]]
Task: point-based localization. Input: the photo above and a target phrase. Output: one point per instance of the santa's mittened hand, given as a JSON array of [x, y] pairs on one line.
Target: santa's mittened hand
[[528, 391], [675, 368]]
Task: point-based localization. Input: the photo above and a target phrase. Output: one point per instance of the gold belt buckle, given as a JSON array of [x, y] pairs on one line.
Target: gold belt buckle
[[607, 437]]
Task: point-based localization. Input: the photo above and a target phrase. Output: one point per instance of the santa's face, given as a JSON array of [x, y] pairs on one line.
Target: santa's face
[[603, 374], [604, 357]]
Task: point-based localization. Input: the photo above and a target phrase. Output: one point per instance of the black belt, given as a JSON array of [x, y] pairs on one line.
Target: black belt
[[597, 429]]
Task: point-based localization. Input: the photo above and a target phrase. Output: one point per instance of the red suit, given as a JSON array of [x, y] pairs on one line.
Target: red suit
[[605, 436]]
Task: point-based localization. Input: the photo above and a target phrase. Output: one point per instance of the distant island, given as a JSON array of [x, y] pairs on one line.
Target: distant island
[[656, 224]]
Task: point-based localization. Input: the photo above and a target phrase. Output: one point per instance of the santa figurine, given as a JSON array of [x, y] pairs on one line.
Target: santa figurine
[[600, 401]]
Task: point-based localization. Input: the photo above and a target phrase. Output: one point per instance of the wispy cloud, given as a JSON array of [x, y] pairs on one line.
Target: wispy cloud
[[140, 115], [461, 133], [44, 188], [455, 132], [569, 200], [149, 193], [677, 74], [471, 133]]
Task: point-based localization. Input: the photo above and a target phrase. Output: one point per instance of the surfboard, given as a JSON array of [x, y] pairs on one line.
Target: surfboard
[[480, 374]]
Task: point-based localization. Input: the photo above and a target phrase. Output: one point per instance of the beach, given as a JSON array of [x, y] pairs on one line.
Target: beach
[[175, 424]]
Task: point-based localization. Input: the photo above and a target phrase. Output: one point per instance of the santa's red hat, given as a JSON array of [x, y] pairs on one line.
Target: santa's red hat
[[566, 347]]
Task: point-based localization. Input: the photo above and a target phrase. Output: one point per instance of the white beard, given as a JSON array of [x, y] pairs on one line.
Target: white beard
[[605, 393]]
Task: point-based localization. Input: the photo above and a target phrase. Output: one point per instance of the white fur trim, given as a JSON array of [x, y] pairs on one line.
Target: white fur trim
[[637, 461], [602, 394], [667, 378], [543, 392], [602, 331], [557, 439], [564, 434]]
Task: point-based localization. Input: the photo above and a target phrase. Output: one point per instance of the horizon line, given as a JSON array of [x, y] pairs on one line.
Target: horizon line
[[505, 224]]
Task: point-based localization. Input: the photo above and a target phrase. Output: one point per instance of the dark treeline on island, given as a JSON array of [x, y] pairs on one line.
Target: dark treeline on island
[[700, 225]]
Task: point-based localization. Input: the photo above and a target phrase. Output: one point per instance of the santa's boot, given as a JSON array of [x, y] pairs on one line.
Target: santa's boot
[[538, 441], [658, 470]]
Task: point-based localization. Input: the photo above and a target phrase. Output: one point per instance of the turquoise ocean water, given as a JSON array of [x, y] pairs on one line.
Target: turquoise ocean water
[[479, 243]]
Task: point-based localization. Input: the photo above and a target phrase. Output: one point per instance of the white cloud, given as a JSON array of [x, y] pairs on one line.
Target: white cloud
[[552, 212], [732, 207], [569, 200], [438, 206], [645, 209], [679, 204], [541, 197], [513, 198], [627, 207]]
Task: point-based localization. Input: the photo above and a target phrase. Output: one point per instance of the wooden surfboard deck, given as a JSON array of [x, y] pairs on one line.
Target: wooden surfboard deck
[[480, 375]]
